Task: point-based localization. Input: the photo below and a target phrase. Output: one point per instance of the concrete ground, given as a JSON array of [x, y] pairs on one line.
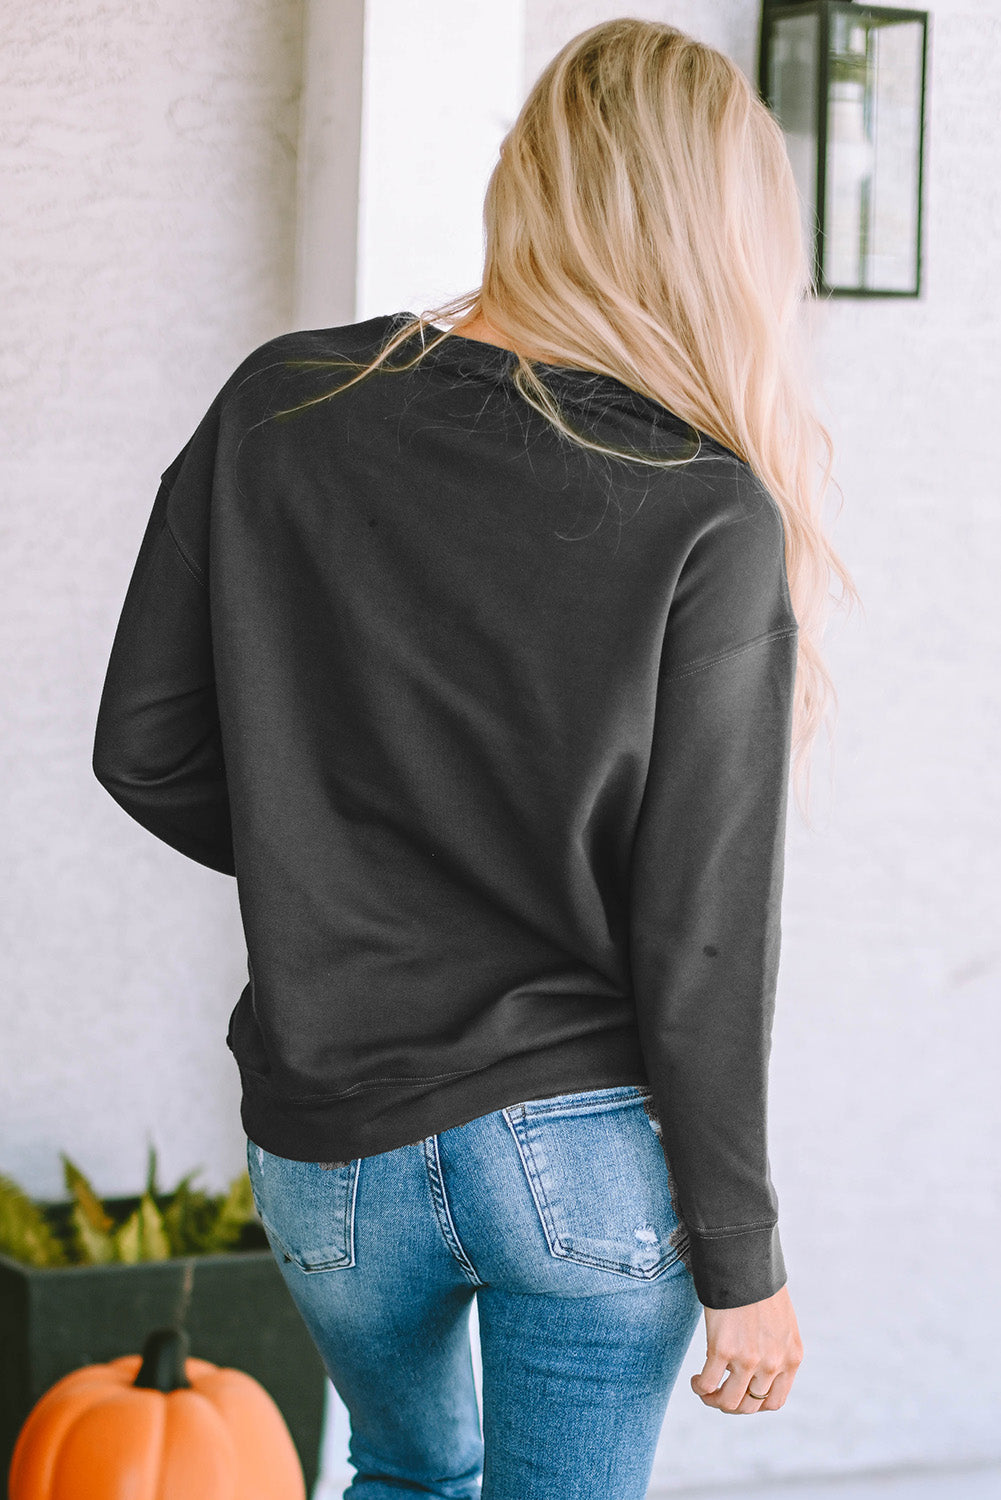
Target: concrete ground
[[981, 1483]]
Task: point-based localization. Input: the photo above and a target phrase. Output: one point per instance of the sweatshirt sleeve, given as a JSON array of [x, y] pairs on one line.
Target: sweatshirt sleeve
[[157, 746], [706, 894]]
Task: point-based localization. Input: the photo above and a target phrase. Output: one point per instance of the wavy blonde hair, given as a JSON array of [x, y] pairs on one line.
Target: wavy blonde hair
[[643, 220]]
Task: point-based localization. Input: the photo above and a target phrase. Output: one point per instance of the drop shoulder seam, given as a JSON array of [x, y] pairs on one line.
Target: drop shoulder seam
[[196, 575], [712, 661]]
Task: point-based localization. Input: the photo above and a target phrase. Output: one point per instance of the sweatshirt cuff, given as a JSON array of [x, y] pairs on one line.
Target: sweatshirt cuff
[[737, 1268]]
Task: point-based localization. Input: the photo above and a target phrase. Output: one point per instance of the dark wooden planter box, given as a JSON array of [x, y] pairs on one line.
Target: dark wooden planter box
[[236, 1308]]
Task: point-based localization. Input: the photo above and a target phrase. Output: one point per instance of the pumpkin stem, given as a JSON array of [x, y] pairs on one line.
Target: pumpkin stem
[[164, 1353]]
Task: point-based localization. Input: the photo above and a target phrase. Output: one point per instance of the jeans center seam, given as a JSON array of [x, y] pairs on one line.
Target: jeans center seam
[[446, 1224]]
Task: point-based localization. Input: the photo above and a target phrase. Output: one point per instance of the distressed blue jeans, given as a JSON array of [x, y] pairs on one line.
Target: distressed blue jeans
[[557, 1215]]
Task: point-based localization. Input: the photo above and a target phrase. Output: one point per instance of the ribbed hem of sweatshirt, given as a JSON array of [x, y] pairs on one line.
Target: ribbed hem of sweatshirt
[[736, 1268], [729, 1270], [377, 1119]]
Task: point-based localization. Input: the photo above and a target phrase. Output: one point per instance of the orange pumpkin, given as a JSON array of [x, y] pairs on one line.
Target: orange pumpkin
[[158, 1426]]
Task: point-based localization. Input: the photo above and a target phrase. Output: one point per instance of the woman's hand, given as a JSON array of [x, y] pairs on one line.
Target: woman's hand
[[759, 1345]]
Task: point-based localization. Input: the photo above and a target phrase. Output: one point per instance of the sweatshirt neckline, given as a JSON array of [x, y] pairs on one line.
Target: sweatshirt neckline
[[456, 348], [495, 354], [458, 352]]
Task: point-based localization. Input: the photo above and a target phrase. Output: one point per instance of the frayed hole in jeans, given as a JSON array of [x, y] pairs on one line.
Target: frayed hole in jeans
[[680, 1238]]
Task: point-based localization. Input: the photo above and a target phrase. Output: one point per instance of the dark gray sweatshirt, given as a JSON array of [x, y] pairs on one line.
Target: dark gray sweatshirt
[[494, 733]]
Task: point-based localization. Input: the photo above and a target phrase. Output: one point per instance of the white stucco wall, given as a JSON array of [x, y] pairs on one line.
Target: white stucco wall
[[147, 244]]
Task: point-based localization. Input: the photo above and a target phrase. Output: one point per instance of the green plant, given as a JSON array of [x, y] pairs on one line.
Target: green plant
[[184, 1222]]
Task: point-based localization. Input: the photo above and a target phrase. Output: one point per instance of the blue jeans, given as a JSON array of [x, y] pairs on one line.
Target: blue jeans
[[557, 1215]]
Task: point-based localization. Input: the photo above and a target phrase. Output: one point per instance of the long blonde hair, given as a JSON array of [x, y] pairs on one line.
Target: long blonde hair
[[643, 220]]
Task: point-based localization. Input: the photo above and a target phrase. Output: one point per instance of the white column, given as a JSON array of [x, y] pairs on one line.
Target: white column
[[327, 182], [403, 109]]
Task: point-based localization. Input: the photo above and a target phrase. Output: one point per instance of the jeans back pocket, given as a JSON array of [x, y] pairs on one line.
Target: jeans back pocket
[[597, 1172], [307, 1209]]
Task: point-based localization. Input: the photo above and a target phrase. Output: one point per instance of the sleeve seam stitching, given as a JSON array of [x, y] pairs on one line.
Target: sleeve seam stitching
[[711, 661], [196, 575], [731, 1229]]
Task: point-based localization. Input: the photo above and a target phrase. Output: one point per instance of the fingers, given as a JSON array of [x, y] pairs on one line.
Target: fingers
[[709, 1377], [778, 1390], [733, 1396]]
